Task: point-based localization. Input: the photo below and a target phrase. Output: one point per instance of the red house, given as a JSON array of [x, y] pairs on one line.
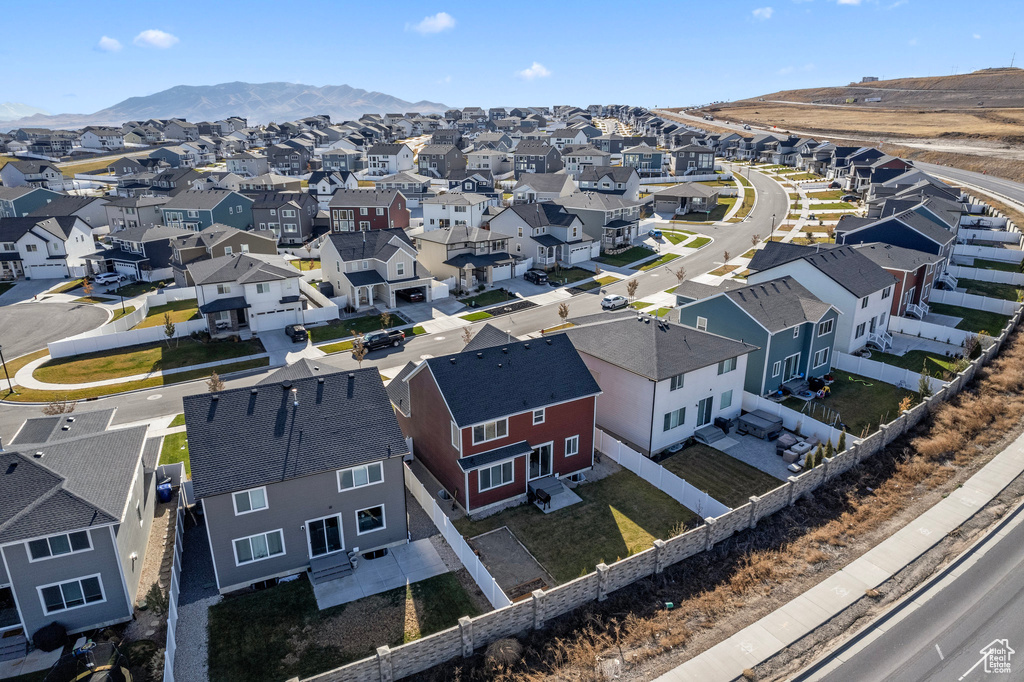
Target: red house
[[357, 210], [495, 424], [915, 273]]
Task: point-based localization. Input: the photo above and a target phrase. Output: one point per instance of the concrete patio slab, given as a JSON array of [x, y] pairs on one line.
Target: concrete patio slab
[[403, 565], [36, 661], [756, 452]]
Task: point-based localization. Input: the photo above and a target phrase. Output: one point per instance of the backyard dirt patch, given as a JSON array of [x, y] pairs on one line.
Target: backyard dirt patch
[[518, 573]]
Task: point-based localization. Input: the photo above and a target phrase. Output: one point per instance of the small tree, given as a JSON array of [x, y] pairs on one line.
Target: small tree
[[309, 254], [904, 404], [809, 234], [755, 239], [815, 459], [841, 447], [359, 350], [924, 387], [385, 320], [631, 287], [86, 287], [597, 271], [168, 328], [680, 273], [563, 311], [830, 230], [726, 256], [467, 335], [829, 451], [59, 405], [214, 383]]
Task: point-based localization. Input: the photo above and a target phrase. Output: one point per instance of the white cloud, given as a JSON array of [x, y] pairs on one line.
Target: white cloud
[[912, 41], [977, 36], [108, 44], [536, 70], [790, 69], [763, 13], [445, 80], [442, 21], [848, 2], [155, 38]]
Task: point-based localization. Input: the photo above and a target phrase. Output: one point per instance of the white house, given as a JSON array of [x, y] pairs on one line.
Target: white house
[[578, 159], [33, 173], [248, 164], [494, 160], [842, 276], [102, 138], [247, 291], [371, 266], [385, 159], [660, 381], [545, 232], [44, 248], [454, 208]]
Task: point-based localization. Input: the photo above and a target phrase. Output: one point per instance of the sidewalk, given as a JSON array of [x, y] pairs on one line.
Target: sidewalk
[[785, 626]]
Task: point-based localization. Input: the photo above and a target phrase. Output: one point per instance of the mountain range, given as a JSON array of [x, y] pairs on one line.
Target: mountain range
[[18, 110], [257, 102]]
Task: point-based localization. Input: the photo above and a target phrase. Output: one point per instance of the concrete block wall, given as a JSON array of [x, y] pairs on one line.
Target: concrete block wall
[[683, 546], [421, 654], [627, 571]]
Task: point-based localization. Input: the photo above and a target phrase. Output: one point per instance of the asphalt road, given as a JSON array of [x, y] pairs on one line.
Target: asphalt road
[[30, 326], [943, 638], [1007, 188], [734, 238]]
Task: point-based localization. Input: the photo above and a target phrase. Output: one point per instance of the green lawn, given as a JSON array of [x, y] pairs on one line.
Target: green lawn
[[119, 312], [862, 402], [833, 206], [66, 287], [749, 254], [488, 298], [667, 258], [139, 288], [826, 194], [175, 449], [306, 263], [478, 315], [4, 286], [570, 275], [619, 516], [1007, 292], [803, 176], [725, 204], [597, 283], [278, 633], [94, 299], [976, 321], [743, 180], [726, 479], [699, 242], [180, 311], [339, 329], [914, 360], [640, 304], [677, 236], [141, 360], [628, 256], [336, 347], [179, 420], [983, 264]]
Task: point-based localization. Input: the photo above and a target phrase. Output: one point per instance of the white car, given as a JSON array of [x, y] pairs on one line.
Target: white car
[[108, 278], [614, 302]]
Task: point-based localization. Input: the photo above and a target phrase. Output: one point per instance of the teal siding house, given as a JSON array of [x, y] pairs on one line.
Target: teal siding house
[[199, 209], [794, 330]]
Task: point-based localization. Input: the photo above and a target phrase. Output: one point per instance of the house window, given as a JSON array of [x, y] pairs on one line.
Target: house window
[[860, 330], [495, 476], [291, 227], [31, 248], [456, 436], [227, 250], [364, 225], [821, 357], [490, 431], [864, 302], [538, 416], [250, 500], [288, 213], [223, 288], [193, 214], [825, 327], [58, 545], [572, 446], [702, 323], [674, 419], [363, 211], [886, 292], [245, 248], [726, 366], [380, 211], [796, 332], [238, 208], [776, 368], [726, 400], [258, 547], [358, 477], [676, 382], [370, 519], [365, 264], [72, 594], [519, 231], [400, 269], [263, 288]]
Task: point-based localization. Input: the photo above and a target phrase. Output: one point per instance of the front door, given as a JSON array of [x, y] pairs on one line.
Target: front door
[[704, 412], [325, 536], [8, 610], [792, 367], [540, 462]]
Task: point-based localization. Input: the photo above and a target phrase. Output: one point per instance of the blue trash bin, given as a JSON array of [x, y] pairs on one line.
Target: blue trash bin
[[163, 492]]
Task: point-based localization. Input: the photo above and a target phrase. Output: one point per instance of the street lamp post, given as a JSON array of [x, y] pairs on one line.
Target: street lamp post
[[773, 222], [10, 386]]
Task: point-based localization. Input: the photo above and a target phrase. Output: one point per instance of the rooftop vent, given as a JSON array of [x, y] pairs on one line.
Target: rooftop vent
[[255, 391], [70, 419], [479, 355], [38, 455], [526, 346], [549, 341], [287, 384], [214, 397], [320, 380], [452, 360], [505, 351]]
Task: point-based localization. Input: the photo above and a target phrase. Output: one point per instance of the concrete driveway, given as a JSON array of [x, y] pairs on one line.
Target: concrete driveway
[[30, 326], [284, 351]]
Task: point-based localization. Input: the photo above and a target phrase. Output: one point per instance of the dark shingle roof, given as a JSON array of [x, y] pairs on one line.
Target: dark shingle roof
[[496, 455], [62, 427], [541, 214], [64, 205], [617, 173], [488, 337], [544, 182], [248, 437], [244, 268], [398, 388], [301, 369], [654, 349], [363, 197], [377, 244], [779, 303], [844, 265], [897, 257], [502, 380]]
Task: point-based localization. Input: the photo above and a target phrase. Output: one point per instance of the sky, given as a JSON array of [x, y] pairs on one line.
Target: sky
[[648, 53]]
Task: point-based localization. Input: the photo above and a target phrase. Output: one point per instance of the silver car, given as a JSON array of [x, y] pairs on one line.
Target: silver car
[[614, 302]]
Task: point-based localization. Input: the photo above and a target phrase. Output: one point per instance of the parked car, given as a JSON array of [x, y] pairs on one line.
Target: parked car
[[654, 233], [297, 333], [746, 127], [383, 338], [108, 278], [614, 302], [834, 185], [412, 295], [536, 276], [850, 197]]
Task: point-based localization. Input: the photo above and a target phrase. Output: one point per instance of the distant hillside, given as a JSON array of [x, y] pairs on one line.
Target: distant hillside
[[18, 110], [258, 102], [993, 88]]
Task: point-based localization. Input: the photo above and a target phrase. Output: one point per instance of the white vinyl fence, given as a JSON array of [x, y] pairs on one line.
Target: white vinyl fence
[[989, 253], [488, 585], [686, 494], [794, 421], [975, 302], [685, 178], [872, 369], [928, 330], [989, 235], [983, 275], [172, 601]]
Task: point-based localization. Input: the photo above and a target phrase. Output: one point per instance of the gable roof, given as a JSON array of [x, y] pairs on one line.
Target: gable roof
[[213, 235], [303, 368], [243, 268], [540, 214], [201, 200], [596, 201], [384, 149], [844, 265], [152, 233], [779, 303], [502, 380], [545, 182], [456, 199], [65, 205], [364, 197], [487, 337], [459, 233], [12, 229], [62, 427], [247, 437], [379, 244], [897, 257], [686, 190], [654, 349], [617, 173]]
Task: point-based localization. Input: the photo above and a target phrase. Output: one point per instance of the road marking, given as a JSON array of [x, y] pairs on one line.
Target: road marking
[[438, 338], [941, 657], [155, 396]]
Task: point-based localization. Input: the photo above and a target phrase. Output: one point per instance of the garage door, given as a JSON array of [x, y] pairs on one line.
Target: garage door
[[501, 272], [47, 271], [579, 254], [276, 319], [128, 269]]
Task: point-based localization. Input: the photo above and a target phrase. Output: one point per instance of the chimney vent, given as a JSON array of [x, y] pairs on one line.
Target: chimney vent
[[320, 380], [38, 455], [255, 391], [480, 355]]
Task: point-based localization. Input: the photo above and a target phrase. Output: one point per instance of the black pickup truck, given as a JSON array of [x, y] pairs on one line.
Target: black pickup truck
[[383, 338]]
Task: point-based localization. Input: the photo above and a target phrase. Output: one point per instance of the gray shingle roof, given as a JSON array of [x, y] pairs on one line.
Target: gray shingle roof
[[378, 244], [487, 337], [62, 427], [545, 182], [460, 233], [516, 377], [244, 268], [617, 173], [596, 201], [247, 437], [456, 199], [897, 257], [65, 205], [398, 388], [303, 368], [849, 268], [779, 303], [654, 349], [363, 197], [151, 233], [496, 455], [202, 200]]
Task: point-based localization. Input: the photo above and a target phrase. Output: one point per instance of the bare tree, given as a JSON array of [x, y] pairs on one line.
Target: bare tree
[[467, 335], [309, 254], [168, 328], [86, 287], [214, 383], [830, 230], [359, 350], [631, 287], [725, 257], [810, 236], [59, 405], [755, 239], [563, 311], [680, 273], [385, 319], [597, 271]]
